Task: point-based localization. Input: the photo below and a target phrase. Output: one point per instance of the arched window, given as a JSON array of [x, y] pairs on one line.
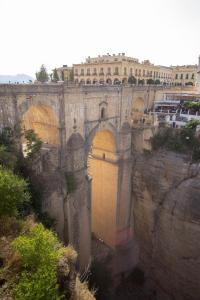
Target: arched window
[[103, 111]]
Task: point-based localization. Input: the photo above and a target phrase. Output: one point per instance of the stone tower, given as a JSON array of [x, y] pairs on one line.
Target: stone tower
[[198, 76]]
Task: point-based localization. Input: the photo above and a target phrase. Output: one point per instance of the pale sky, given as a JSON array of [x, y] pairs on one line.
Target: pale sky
[[57, 32]]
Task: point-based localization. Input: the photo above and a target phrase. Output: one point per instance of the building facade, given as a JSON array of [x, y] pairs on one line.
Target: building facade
[[185, 75], [116, 69]]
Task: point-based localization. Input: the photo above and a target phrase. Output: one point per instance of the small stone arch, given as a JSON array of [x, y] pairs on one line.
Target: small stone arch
[[138, 110], [116, 81], [108, 81], [138, 104], [95, 81], [88, 81], [75, 155], [82, 81]]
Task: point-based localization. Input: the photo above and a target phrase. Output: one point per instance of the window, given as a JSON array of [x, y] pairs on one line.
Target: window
[[186, 76], [192, 76], [103, 113], [94, 71], [116, 71], [82, 71], [181, 76], [176, 76], [143, 72], [136, 72], [88, 71], [101, 71], [131, 71], [125, 71], [109, 71], [76, 72]]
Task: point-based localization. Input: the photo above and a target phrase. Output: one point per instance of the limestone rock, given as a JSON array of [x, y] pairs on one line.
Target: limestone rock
[[166, 195]]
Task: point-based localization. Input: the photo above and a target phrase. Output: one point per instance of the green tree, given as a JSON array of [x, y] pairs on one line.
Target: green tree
[[132, 80], [39, 251], [141, 81], [55, 77], [33, 144], [157, 81], [192, 124], [13, 193], [42, 75], [150, 81]]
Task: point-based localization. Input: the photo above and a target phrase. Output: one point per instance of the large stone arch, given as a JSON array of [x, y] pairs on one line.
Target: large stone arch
[[99, 127], [43, 120], [103, 168]]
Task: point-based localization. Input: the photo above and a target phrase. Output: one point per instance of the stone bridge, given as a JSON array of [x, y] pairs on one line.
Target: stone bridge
[[86, 159]]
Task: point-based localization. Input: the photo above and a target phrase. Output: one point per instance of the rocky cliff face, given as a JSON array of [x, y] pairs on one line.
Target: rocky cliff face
[[166, 195]]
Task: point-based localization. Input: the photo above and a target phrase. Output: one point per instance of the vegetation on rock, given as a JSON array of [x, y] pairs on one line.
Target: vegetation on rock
[[179, 140], [13, 193]]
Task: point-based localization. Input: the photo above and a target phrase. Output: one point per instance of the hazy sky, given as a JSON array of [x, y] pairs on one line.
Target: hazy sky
[[57, 32]]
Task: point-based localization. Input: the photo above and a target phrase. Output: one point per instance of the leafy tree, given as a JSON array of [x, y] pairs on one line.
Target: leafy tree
[[141, 81], [55, 77], [157, 81], [42, 75], [150, 81], [192, 124], [39, 251], [132, 80], [33, 144], [13, 193]]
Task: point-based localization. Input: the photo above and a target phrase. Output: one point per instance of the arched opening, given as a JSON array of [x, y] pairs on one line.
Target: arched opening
[[103, 168], [116, 81], [109, 81], [103, 113], [138, 110], [88, 81], [82, 81], [124, 81], [95, 81], [43, 121]]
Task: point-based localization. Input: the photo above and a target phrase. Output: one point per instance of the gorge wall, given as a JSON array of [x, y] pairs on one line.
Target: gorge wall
[[166, 197]]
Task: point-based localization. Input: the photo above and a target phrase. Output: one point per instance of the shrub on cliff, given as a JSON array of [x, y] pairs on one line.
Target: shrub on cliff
[[13, 193], [39, 251], [178, 140]]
